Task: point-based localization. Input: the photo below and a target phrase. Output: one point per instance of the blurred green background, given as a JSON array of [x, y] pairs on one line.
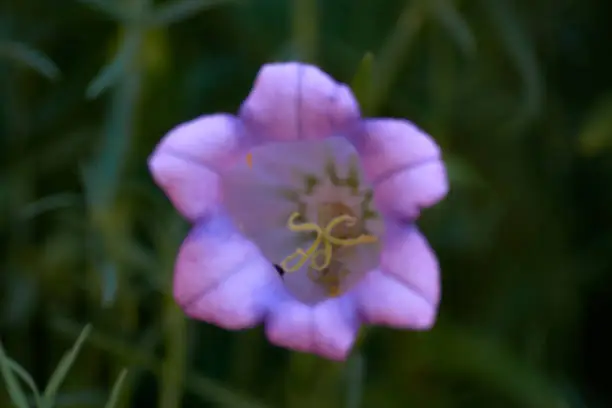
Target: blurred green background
[[517, 92]]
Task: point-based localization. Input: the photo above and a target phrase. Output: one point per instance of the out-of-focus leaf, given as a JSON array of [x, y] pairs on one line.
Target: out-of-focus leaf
[[24, 54], [363, 82], [26, 378], [50, 203], [20, 298], [389, 61], [81, 398], [156, 51], [180, 10], [305, 23], [522, 53], [176, 360], [453, 22], [115, 392], [201, 386], [59, 375], [10, 380], [461, 173], [111, 73], [108, 76], [596, 134], [108, 7], [108, 275], [486, 362], [355, 380]]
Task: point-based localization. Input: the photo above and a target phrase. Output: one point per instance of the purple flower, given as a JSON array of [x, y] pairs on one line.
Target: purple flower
[[304, 214]]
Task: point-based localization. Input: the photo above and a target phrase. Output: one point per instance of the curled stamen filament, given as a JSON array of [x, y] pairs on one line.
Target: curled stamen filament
[[323, 237]]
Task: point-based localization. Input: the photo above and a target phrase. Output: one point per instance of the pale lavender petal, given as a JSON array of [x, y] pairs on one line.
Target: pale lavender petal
[[220, 277], [384, 300], [255, 204], [328, 329], [216, 141], [242, 300], [403, 163], [407, 255], [405, 290], [293, 101], [186, 162], [404, 194], [193, 189], [336, 327], [290, 324]]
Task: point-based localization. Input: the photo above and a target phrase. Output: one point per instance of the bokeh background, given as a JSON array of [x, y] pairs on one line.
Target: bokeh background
[[518, 94]]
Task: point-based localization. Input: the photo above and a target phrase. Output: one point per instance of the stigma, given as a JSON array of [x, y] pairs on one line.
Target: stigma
[[323, 268]]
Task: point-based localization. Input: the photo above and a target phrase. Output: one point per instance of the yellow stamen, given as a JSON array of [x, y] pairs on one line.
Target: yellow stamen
[[323, 237], [249, 160]]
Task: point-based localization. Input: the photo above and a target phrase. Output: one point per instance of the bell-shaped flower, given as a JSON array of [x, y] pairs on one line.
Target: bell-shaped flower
[[304, 214]]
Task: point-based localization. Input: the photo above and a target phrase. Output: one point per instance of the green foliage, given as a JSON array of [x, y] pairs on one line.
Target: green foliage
[[12, 372], [523, 237]]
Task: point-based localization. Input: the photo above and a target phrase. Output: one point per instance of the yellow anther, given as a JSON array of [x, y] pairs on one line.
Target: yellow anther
[[249, 160], [325, 238]]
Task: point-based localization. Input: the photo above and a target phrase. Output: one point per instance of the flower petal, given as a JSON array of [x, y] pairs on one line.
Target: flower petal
[[405, 290], [336, 327], [404, 165], [220, 277], [384, 300], [293, 101], [216, 141], [290, 324], [328, 329], [186, 162], [390, 145], [404, 194], [192, 188], [407, 256]]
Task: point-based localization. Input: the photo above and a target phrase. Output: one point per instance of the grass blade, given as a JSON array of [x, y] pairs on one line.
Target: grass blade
[[362, 83], [15, 392], [59, 375], [30, 57], [109, 8], [180, 10], [114, 396], [355, 376], [305, 29], [112, 72], [453, 22], [395, 50], [26, 378]]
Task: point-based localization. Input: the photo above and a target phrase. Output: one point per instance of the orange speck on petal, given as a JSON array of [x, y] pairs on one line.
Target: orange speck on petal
[[249, 160]]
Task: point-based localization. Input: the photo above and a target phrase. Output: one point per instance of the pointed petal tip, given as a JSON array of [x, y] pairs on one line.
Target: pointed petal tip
[[328, 329], [386, 301], [295, 101]]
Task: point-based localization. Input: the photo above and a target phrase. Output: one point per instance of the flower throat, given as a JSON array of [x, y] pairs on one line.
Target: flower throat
[[323, 269]]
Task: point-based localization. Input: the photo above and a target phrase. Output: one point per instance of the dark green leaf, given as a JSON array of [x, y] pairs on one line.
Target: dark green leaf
[[64, 366], [363, 81], [34, 59], [182, 9], [114, 396], [17, 395]]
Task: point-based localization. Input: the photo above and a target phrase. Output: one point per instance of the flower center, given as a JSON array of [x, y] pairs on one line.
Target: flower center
[[323, 269]]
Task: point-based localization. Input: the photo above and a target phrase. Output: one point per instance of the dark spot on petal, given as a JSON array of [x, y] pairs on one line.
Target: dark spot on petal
[[280, 270]]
